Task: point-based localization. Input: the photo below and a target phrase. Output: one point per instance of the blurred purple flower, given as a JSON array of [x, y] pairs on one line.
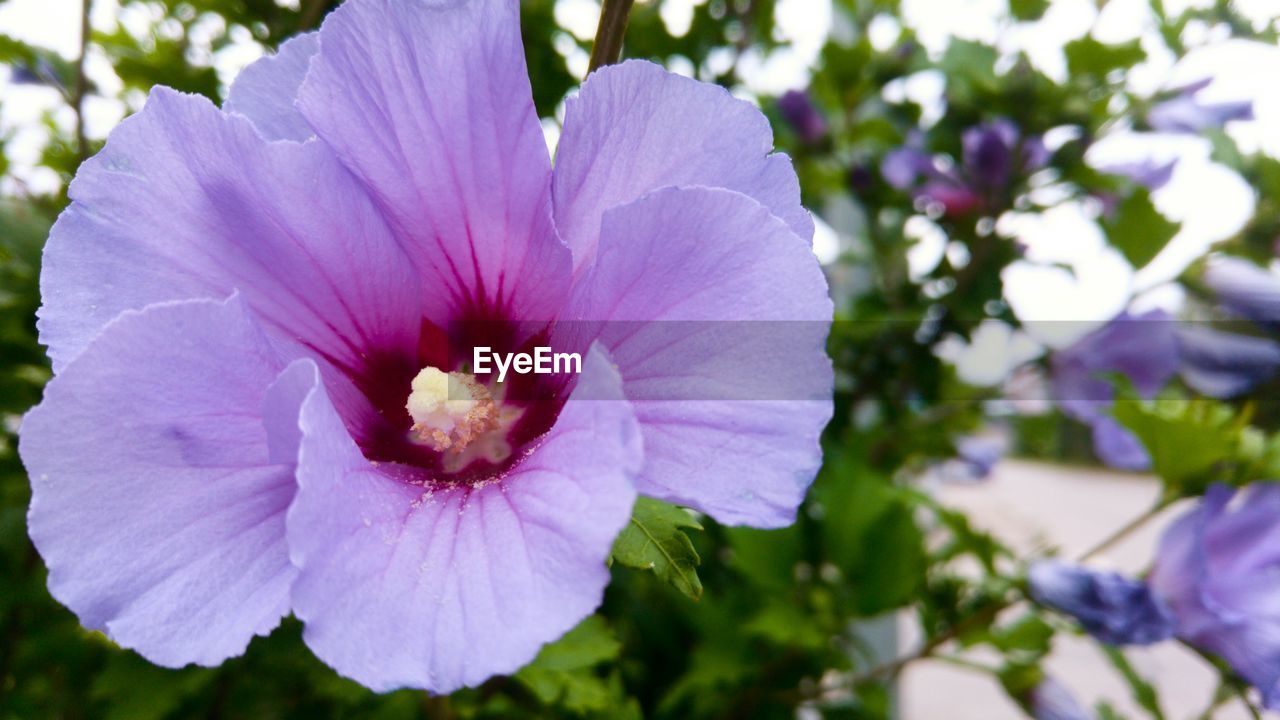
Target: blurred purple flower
[[38, 72], [1111, 607], [992, 154], [1217, 568], [258, 319], [1222, 364], [995, 150], [1182, 113], [981, 453], [1116, 447], [1245, 289], [1148, 173], [1050, 700], [1143, 349], [905, 166], [799, 111]]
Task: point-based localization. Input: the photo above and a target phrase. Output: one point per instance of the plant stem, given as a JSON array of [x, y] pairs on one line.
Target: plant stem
[[1127, 529], [890, 669], [606, 49], [82, 82]]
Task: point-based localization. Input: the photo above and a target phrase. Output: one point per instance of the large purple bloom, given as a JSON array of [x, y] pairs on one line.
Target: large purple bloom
[[258, 319], [1217, 567]]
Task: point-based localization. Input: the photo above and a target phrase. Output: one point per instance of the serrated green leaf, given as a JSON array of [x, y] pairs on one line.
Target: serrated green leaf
[[654, 540], [1138, 230], [1185, 439]]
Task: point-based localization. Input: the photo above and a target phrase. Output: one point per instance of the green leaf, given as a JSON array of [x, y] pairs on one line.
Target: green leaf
[[1028, 10], [563, 671], [654, 540], [1138, 230], [786, 625], [870, 535], [134, 689], [1028, 634], [1143, 693], [1087, 56], [1185, 439]]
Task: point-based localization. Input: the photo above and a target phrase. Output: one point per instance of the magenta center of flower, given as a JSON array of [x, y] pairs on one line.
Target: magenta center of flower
[[439, 422]]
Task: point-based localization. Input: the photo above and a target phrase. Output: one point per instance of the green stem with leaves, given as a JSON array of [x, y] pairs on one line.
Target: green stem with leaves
[[891, 669]]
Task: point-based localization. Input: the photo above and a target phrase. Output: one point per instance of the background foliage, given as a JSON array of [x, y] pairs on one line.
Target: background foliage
[[704, 621]]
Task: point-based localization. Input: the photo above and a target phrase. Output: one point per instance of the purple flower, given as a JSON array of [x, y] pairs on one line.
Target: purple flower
[[1148, 173], [1182, 113], [1245, 289], [261, 321], [1111, 607], [805, 119], [1050, 700], [981, 453], [1142, 348], [993, 153], [1222, 364], [904, 166], [1217, 568]]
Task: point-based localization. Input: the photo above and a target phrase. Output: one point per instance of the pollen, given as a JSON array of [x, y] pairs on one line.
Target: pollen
[[449, 410]]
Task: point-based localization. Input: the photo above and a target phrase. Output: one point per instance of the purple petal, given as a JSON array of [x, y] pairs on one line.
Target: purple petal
[[1222, 364], [1184, 114], [1117, 447], [988, 152], [156, 500], [428, 103], [635, 127], [265, 91], [1215, 566], [904, 166], [187, 202], [1143, 348], [1113, 608], [803, 116], [1245, 289], [717, 316], [1148, 173], [1050, 700], [402, 586]]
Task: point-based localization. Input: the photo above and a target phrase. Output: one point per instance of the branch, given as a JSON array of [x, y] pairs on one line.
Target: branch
[[82, 82], [607, 47]]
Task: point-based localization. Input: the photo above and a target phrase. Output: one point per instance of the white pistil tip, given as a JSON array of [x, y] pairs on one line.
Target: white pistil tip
[[450, 410]]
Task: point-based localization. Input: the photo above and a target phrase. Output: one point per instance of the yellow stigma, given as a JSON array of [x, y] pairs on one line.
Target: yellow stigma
[[449, 411]]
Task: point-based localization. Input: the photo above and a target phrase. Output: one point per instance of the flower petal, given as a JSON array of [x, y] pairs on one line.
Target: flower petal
[[717, 316], [407, 587], [188, 202], [1224, 364], [155, 500], [428, 103], [265, 91], [635, 127]]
